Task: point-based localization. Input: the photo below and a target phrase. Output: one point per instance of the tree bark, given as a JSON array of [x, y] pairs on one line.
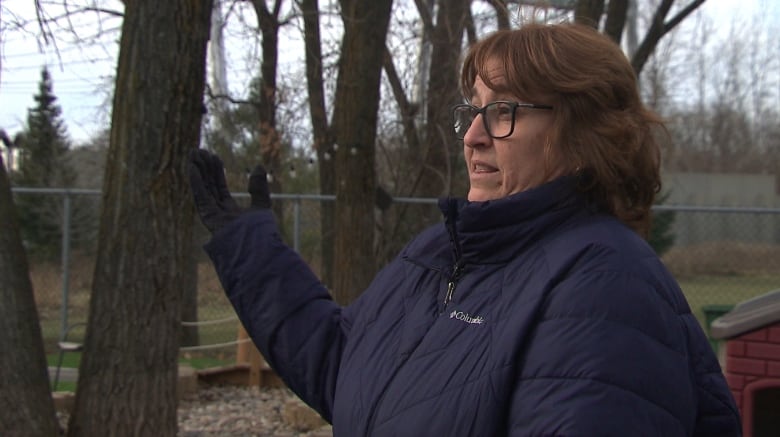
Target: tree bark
[[443, 155], [321, 132], [617, 11], [189, 305], [26, 406], [588, 12], [355, 120], [128, 373], [270, 141], [502, 13]]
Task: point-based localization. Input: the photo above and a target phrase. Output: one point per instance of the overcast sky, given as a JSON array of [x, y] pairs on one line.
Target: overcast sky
[[82, 75]]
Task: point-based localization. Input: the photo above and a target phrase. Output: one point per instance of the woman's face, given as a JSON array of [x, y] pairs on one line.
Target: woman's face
[[500, 167]]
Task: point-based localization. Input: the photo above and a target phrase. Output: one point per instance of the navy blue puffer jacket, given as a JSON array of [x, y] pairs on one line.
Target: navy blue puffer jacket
[[526, 316]]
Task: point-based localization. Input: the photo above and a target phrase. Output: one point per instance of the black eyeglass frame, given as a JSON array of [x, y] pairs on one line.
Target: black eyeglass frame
[[483, 112]]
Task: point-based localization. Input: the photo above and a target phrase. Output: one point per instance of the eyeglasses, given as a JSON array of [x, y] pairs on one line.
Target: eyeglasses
[[498, 117]]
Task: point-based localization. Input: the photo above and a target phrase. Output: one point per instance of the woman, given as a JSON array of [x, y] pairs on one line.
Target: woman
[[535, 309]]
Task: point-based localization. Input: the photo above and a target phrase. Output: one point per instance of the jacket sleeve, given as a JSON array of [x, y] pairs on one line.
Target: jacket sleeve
[[285, 309], [611, 355]]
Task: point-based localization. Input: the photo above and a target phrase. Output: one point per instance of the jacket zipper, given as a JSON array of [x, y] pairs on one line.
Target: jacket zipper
[[450, 223], [451, 284]]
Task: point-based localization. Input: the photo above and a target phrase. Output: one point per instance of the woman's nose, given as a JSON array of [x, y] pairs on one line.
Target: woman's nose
[[476, 135]]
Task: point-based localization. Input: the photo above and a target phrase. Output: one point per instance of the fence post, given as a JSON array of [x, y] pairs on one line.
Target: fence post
[[65, 255], [297, 224]]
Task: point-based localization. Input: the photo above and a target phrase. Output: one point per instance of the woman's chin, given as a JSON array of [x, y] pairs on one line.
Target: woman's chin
[[479, 195]]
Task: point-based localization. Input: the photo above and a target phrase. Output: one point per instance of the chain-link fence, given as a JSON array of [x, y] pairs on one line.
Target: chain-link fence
[[720, 256]]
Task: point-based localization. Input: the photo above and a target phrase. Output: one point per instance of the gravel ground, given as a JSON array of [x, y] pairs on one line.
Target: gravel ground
[[231, 411], [248, 411]]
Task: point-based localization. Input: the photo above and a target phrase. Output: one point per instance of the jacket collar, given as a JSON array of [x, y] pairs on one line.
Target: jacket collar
[[494, 231]]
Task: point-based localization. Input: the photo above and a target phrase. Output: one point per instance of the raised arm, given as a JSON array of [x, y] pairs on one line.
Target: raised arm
[[287, 312]]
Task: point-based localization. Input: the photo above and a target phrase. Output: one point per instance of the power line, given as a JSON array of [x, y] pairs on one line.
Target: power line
[[13, 69], [56, 82], [71, 78], [57, 93], [54, 52]]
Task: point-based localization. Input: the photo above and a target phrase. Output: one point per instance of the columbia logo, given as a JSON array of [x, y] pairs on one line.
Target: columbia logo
[[466, 317]]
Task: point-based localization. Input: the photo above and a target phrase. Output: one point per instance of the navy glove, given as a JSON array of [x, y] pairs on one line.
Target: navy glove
[[258, 188], [213, 202]]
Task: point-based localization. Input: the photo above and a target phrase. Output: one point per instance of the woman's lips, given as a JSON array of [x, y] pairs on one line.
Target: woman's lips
[[481, 167]]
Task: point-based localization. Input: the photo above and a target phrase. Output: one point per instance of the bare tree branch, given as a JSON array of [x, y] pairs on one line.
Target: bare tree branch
[[425, 16], [4, 138], [502, 13], [408, 110], [682, 14], [659, 28], [210, 94], [42, 23]]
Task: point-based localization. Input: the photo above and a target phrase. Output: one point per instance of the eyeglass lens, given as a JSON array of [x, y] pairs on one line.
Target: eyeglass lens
[[497, 117]]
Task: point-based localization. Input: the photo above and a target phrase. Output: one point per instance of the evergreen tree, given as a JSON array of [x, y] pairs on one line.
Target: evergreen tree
[[661, 233], [43, 164]]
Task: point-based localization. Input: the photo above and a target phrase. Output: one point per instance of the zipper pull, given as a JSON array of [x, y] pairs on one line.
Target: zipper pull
[[454, 278], [448, 296]]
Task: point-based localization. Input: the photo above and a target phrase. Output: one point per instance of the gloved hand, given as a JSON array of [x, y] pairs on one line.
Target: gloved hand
[[215, 206], [258, 188]]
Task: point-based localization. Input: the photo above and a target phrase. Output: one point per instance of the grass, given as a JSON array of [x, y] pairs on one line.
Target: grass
[[725, 290], [65, 386], [724, 272], [69, 359], [46, 277], [72, 360]]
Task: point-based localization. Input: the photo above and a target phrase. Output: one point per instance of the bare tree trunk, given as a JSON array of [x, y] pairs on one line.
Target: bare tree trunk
[[588, 12], [442, 157], [270, 141], [128, 373], [26, 407], [323, 138], [355, 123], [436, 160], [189, 305], [617, 12]]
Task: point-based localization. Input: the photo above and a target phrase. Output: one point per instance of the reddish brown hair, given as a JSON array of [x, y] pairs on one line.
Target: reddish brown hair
[[601, 126]]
